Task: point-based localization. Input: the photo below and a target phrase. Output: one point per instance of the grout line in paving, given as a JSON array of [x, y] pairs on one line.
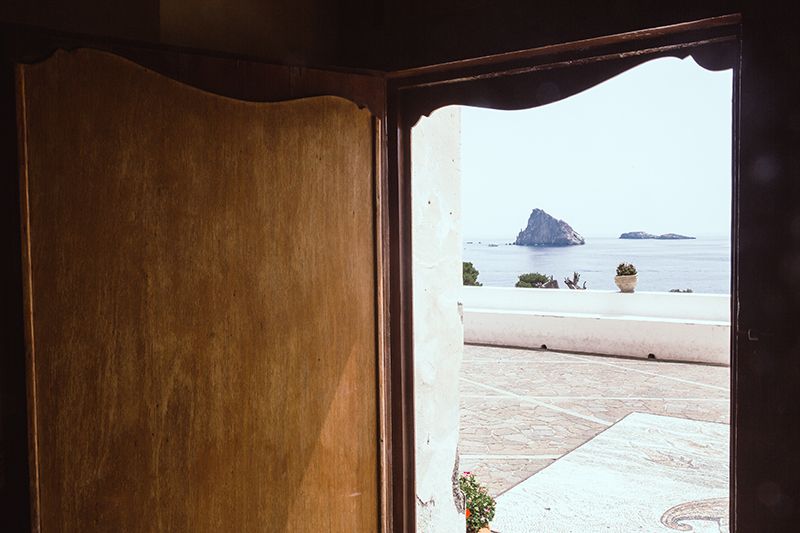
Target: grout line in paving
[[619, 398], [508, 456], [529, 362], [612, 365], [528, 399]]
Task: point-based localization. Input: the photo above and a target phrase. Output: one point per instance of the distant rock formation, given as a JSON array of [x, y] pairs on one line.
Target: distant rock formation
[[645, 235], [673, 236], [544, 230]]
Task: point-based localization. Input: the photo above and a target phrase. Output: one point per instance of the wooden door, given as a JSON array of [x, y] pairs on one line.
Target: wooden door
[[201, 305]]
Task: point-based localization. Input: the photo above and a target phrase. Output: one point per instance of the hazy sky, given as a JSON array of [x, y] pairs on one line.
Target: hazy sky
[[648, 150]]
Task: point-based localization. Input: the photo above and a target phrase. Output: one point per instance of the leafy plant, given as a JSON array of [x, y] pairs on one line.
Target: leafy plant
[[470, 274], [535, 280], [574, 283], [480, 506], [626, 269]]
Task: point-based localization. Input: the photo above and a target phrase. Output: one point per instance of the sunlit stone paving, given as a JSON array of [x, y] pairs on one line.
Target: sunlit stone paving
[[523, 409]]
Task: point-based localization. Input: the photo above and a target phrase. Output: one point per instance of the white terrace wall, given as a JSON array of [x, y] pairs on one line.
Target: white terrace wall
[[438, 332], [676, 327]]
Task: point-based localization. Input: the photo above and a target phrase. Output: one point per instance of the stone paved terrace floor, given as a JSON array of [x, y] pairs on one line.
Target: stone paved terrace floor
[[523, 409]]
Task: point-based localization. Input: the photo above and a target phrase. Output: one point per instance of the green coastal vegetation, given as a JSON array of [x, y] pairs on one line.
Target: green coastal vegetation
[[536, 280], [470, 274]]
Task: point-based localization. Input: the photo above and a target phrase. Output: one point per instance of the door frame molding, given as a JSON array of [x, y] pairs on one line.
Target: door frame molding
[[510, 81]]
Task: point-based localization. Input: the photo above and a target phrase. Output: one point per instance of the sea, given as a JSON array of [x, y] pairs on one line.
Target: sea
[[702, 264]]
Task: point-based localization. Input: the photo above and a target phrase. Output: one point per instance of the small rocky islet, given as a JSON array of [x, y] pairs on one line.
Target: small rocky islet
[[645, 235], [545, 230]]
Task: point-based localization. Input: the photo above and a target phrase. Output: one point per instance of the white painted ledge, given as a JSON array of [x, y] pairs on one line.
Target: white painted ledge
[[675, 327]]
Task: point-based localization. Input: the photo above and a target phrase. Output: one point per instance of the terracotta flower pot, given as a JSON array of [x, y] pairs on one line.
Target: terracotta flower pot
[[485, 529], [626, 283]]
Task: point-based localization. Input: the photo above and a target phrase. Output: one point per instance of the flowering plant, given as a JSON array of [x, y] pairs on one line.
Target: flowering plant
[[480, 506]]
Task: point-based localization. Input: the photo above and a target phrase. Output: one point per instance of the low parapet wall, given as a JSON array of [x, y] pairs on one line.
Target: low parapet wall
[[669, 326]]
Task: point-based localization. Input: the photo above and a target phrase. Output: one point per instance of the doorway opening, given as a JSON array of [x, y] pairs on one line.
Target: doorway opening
[[570, 396]]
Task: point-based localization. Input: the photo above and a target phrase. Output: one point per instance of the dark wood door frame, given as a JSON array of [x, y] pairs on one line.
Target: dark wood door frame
[[514, 80], [519, 80]]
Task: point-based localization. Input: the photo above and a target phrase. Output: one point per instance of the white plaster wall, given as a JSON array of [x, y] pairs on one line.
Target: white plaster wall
[[675, 327], [438, 331], [695, 306]]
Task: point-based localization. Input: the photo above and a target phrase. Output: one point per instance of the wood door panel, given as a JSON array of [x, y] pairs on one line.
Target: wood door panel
[[201, 292]]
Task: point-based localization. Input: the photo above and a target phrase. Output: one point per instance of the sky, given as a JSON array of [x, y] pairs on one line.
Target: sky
[[648, 150]]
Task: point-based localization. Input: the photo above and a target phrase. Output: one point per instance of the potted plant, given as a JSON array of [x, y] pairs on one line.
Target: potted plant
[[626, 277], [479, 505]]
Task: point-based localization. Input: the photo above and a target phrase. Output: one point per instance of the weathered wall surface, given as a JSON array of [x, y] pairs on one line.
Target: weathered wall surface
[[298, 32], [434, 31], [294, 32], [382, 35], [674, 327], [107, 18], [438, 332]]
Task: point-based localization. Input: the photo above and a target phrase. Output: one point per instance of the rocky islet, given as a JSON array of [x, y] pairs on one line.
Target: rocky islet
[[545, 230]]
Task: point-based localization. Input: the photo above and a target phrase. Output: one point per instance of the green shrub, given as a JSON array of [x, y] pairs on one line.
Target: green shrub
[[480, 506], [626, 269], [470, 274], [535, 280]]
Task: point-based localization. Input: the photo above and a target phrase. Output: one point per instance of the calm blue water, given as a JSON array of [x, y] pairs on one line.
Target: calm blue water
[[703, 265]]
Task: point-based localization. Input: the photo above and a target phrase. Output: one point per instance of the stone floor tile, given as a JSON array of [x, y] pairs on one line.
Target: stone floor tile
[[701, 410], [499, 475], [520, 409], [508, 426], [586, 379]]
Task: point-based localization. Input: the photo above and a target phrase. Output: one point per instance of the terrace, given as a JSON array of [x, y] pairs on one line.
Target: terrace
[[573, 442]]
